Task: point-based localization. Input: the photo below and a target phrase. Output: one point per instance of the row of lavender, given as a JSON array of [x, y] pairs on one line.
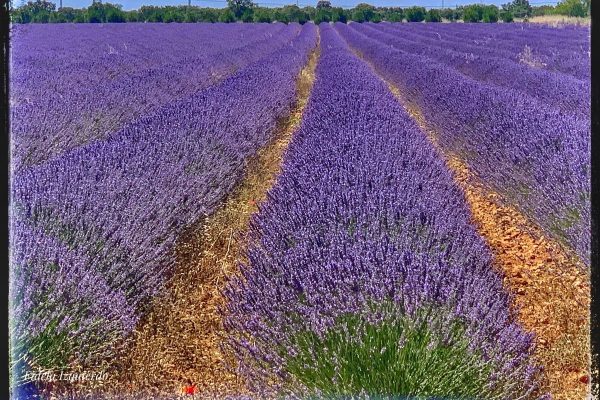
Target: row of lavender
[[43, 57], [63, 108], [565, 51], [92, 230], [535, 155], [565, 92], [365, 236]]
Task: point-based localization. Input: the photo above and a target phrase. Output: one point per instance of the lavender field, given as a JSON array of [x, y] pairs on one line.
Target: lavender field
[[425, 231]]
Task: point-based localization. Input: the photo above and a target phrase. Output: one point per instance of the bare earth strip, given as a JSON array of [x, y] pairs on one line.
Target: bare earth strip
[[552, 291], [179, 341]]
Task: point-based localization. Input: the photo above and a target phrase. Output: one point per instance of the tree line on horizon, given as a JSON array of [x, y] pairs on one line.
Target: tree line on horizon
[[44, 11]]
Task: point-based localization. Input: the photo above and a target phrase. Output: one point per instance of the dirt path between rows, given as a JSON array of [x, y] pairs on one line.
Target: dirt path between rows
[[552, 290], [178, 345]]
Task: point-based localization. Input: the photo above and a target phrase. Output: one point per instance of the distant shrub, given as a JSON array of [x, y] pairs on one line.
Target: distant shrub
[[473, 13], [507, 16], [415, 14], [338, 14], [542, 10], [490, 14], [392, 14], [433, 15], [572, 8], [322, 15], [262, 15], [449, 14], [248, 15], [519, 8]]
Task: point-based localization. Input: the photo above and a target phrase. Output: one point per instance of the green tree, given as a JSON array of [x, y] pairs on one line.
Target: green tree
[[310, 12], [538, 11], [247, 15], [321, 4], [279, 16], [34, 11], [104, 12], [473, 13], [322, 15], [173, 14], [227, 16], [572, 8], [449, 14], [262, 14], [518, 8], [490, 14], [294, 14], [338, 14], [433, 15], [415, 14], [241, 9], [114, 13], [96, 13], [506, 16], [392, 14], [363, 13], [206, 14], [66, 14]]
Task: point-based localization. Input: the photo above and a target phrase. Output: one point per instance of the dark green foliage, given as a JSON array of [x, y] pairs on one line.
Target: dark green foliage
[[519, 8], [34, 11], [573, 8], [100, 12], [295, 14], [323, 4], [433, 15], [42, 11], [451, 14], [241, 8], [506, 16], [365, 12], [415, 14], [338, 14], [391, 14], [262, 15], [322, 15], [173, 16], [473, 13], [248, 15], [490, 14], [132, 16], [68, 14]]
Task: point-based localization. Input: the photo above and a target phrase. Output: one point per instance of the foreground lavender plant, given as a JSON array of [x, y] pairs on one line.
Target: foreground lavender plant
[[110, 212], [363, 237]]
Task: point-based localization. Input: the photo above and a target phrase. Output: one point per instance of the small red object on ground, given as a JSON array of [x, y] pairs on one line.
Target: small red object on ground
[[584, 379], [190, 389]]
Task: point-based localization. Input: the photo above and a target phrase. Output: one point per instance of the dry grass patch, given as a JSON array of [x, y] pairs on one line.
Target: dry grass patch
[[558, 21]]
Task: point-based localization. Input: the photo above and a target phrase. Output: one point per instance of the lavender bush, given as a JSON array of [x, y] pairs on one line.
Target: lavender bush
[[63, 109], [563, 51], [565, 92], [111, 211], [363, 256], [534, 155]]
